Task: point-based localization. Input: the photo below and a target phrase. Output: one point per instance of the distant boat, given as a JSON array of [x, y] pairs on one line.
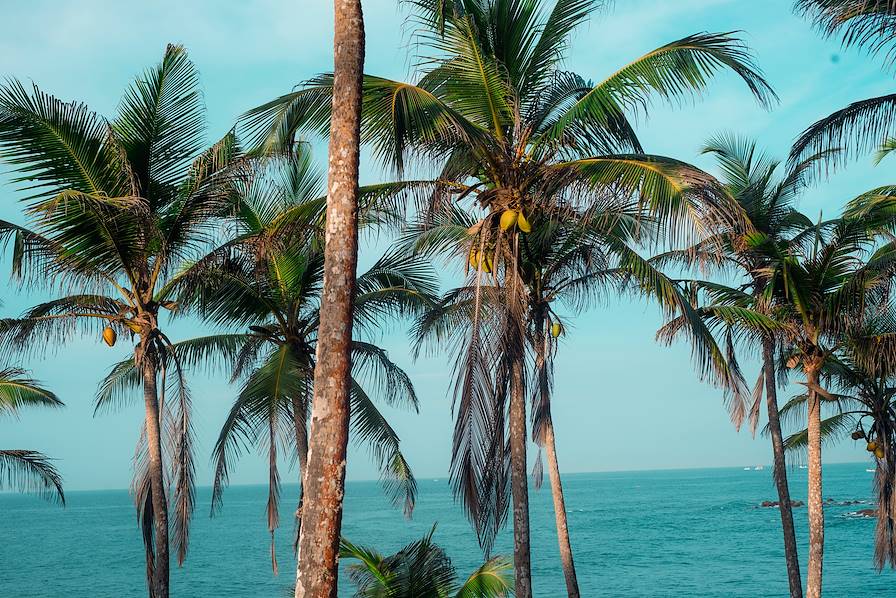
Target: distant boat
[[759, 468], [870, 470], [804, 467], [746, 469]]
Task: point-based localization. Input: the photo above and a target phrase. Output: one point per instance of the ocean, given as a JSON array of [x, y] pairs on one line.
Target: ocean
[[696, 532]]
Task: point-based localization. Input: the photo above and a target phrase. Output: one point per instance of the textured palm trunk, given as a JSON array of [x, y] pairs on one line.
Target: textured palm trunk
[[780, 470], [324, 478], [885, 481], [569, 567], [519, 484], [545, 437], [160, 578], [816, 507], [299, 418]]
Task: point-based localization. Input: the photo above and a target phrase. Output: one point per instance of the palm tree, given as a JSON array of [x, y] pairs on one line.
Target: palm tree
[[421, 570], [324, 479], [569, 261], [863, 399], [115, 207], [24, 470], [865, 125], [770, 220], [507, 128], [817, 286], [265, 276]]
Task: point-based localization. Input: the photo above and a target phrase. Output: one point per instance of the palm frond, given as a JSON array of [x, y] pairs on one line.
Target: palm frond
[[30, 471]]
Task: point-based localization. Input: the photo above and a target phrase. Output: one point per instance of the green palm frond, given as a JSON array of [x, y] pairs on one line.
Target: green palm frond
[[160, 124], [863, 23], [832, 428], [371, 429], [29, 471], [491, 580], [860, 128], [54, 146], [17, 390], [673, 72]]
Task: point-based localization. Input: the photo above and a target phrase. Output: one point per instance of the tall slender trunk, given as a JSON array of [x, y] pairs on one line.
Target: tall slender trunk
[[780, 470], [519, 484], [816, 506], [324, 478], [160, 579], [544, 435], [299, 418], [569, 567]]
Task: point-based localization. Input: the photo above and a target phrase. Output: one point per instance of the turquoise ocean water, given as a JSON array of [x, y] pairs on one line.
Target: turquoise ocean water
[[659, 533]]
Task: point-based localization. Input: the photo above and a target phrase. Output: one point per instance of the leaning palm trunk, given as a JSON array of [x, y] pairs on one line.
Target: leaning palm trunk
[[543, 430], [780, 470], [519, 484], [159, 569], [324, 478], [569, 567], [816, 507]]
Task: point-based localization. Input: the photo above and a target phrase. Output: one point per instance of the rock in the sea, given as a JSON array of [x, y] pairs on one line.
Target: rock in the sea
[[775, 503], [865, 513]]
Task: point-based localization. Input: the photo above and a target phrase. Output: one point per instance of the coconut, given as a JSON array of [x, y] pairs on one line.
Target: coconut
[[879, 452], [486, 264], [523, 224], [556, 329], [509, 218], [871, 446], [109, 336]]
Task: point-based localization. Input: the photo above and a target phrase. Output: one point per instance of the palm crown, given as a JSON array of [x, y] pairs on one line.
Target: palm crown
[[266, 276], [116, 206]]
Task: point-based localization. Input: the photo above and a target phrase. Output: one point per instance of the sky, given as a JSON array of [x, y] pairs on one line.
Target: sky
[[622, 401]]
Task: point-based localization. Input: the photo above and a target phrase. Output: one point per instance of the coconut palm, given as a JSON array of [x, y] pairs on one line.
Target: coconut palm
[[265, 276], [569, 261], [421, 570], [24, 470], [317, 571], [865, 125], [861, 400], [506, 128], [818, 286], [767, 199], [114, 207]]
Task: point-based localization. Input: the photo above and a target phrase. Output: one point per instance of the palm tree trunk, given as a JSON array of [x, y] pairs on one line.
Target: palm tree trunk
[[519, 484], [885, 480], [543, 431], [324, 478], [160, 579], [569, 567], [816, 507], [299, 418], [780, 470]]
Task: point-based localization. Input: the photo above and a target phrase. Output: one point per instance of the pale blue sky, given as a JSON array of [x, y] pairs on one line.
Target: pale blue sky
[[622, 401]]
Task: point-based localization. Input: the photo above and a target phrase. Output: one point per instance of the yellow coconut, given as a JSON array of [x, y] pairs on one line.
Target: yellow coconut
[[109, 336], [523, 224], [556, 329], [474, 259], [486, 264], [879, 452], [871, 446], [508, 219], [132, 326]]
